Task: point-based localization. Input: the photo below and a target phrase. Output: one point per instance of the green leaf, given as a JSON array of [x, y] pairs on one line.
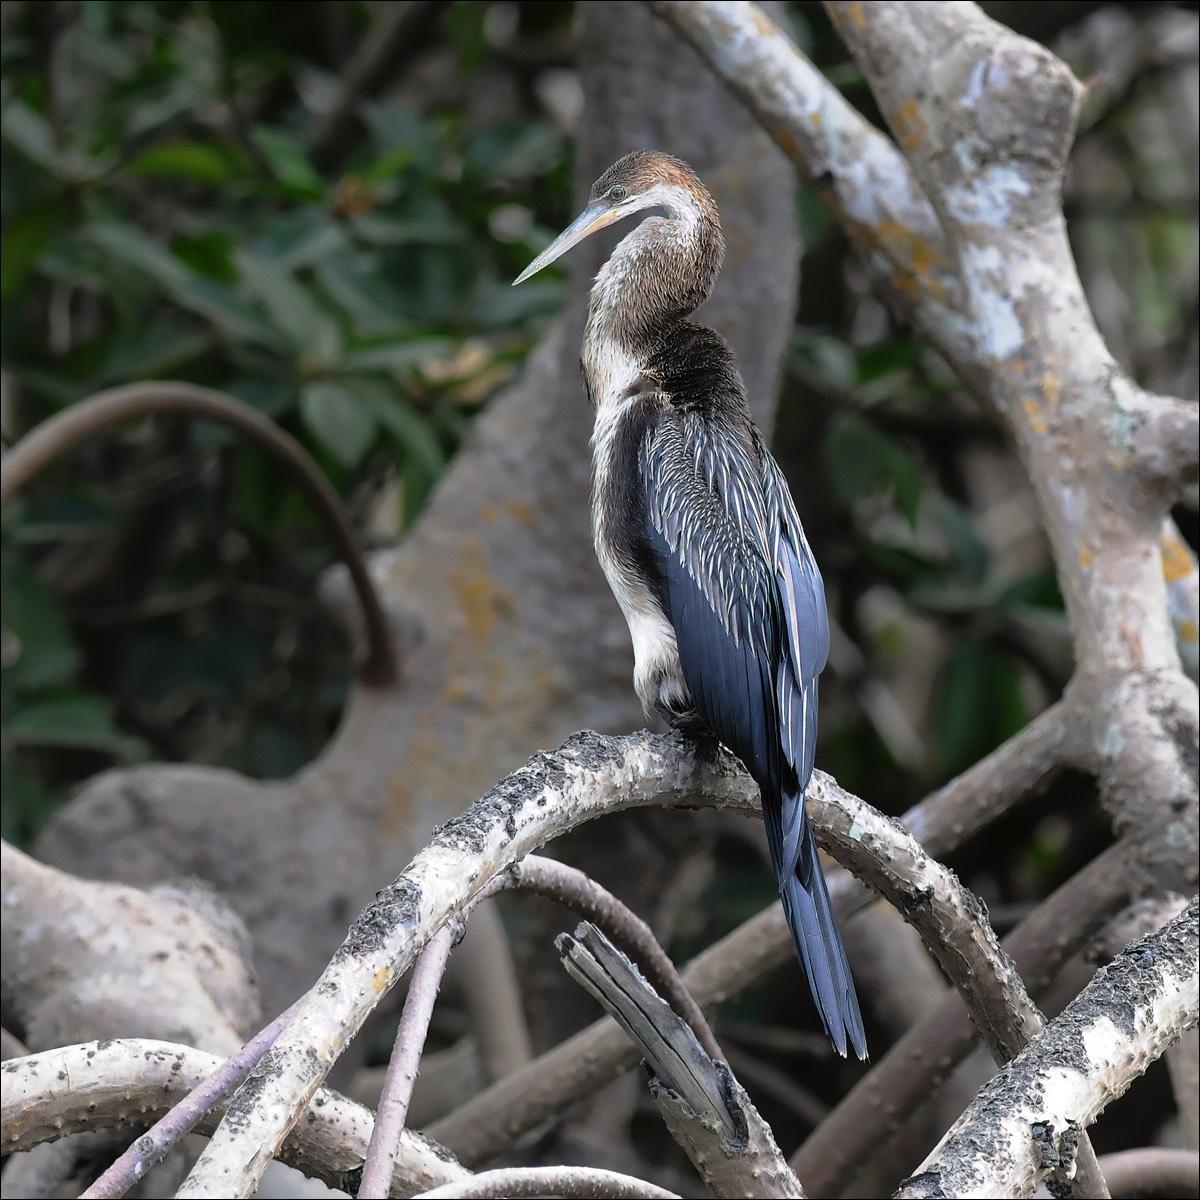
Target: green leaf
[[289, 163], [1037, 591], [863, 460], [884, 358], [361, 291], [78, 720], [211, 254], [408, 428], [398, 359], [28, 802], [969, 549], [199, 162], [978, 704], [30, 133], [294, 311], [216, 304], [273, 397], [154, 351], [21, 244], [338, 420], [40, 650]]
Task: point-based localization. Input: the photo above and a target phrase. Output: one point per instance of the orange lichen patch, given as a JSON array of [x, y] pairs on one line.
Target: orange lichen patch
[[858, 17], [1177, 559], [915, 257], [488, 514], [910, 129], [382, 980], [1085, 554], [480, 601], [1037, 418], [519, 510], [788, 144], [1187, 631], [1052, 389], [817, 117], [763, 24]]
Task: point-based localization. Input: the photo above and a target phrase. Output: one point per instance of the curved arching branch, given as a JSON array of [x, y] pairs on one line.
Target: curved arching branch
[[54, 436], [120, 1082], [1026, 1121]]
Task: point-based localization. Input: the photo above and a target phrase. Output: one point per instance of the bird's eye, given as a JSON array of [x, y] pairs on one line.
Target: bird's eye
[[616, 193]]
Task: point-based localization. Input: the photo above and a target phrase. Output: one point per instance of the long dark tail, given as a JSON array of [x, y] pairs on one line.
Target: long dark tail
[[814, 928]]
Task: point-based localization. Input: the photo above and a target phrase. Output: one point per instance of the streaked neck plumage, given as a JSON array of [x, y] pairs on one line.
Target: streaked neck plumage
[[656, 277]]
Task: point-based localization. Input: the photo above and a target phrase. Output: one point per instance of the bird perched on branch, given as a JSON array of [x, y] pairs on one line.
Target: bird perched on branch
[[697, 533]]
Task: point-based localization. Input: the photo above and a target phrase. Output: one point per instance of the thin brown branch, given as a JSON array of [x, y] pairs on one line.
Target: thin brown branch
[[1153, 1173], [571, 887], [1183, 1064], [154, 1145], [392, 1112], [54, 436]]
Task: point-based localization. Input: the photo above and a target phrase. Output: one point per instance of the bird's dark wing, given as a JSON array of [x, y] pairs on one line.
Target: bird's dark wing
[[744, 596], [706, 521], [801, 593]]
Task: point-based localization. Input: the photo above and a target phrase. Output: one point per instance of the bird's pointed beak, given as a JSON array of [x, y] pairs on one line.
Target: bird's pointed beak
[[595, 216]]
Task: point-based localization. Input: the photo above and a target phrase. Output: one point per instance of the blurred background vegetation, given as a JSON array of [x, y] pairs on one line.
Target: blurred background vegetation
[[318, 208]]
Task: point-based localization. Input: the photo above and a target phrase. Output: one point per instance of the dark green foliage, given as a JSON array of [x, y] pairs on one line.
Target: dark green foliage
[[167, 213]]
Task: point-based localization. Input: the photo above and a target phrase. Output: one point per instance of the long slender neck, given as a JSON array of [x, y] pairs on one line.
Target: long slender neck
[[656, 276]]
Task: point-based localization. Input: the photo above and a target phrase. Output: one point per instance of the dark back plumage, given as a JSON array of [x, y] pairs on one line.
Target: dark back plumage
[[697, 533]]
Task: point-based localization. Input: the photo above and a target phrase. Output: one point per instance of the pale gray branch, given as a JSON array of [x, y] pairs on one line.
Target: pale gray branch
[[122, 1083], [904, 1079], [554, 792], [705, 1108], [154, 1145], [582, 1064], [1026, 1122], [171, 961], [575, 1183], [969, 245]]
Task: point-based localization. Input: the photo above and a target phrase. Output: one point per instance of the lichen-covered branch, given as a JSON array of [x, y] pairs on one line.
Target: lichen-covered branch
[[167, 1132], [987, 120], [582, 1064], [119, 1083], [1026, 1121], [554, 792]]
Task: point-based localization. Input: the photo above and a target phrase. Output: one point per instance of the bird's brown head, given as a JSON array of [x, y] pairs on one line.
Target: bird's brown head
[[643, 179]]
